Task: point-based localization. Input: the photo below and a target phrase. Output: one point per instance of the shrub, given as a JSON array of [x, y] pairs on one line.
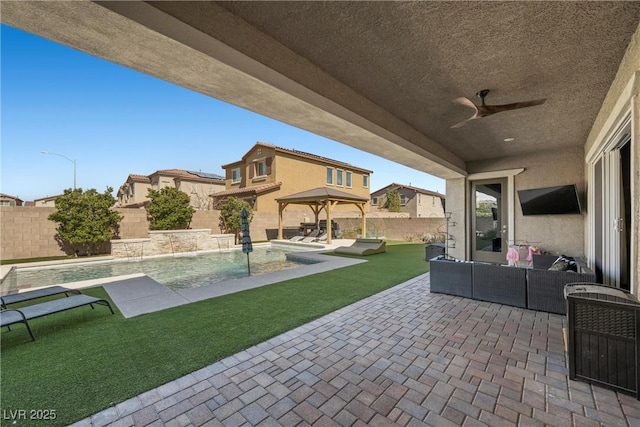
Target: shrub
[[85, 220], [230, 220], [169, 209]]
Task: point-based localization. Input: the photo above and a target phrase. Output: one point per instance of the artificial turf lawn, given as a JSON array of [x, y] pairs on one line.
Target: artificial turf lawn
[[84, 360]]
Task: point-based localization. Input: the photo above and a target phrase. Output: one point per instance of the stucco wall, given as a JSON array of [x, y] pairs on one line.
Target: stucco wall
[[557, 234], [457, 205], [296, 175]]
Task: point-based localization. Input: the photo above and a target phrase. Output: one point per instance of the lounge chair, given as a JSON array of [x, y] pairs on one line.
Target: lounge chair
[[363, 247], [34, 294], [11, 317], [311, 236], [50, 307], [296, 238]]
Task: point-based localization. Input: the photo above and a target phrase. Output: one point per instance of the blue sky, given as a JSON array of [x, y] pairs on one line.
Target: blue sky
[[115, 121]]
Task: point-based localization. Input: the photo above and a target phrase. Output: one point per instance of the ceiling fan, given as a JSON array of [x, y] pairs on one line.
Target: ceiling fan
[[484, 110]]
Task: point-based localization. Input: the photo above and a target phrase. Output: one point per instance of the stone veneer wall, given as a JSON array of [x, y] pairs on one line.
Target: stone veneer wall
[[171, 242]]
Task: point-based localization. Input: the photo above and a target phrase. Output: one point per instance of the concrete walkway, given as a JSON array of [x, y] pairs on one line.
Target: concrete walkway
[[402, 357]]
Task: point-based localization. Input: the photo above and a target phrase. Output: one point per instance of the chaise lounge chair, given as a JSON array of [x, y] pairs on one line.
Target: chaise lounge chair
[[363, 247], [34, 294], [311, 236], [10, 317]]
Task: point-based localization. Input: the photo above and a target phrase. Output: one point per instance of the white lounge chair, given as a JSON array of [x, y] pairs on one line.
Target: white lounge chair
[[363, 247]]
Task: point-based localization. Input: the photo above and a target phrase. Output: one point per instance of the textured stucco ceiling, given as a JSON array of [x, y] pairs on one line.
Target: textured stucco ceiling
[[379, 76], [414, 58]]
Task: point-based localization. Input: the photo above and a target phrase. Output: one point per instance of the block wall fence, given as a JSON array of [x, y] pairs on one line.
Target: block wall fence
[[25, 231]]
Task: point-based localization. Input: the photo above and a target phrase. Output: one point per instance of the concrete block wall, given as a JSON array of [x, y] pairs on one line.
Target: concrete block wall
[[409, 229], [25, 232], [134, 224]]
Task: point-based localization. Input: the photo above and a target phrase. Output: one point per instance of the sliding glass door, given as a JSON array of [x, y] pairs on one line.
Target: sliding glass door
[[611, 214]]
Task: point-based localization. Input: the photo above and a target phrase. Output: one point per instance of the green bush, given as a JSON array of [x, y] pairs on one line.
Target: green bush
[[230, 220], [169, 209], [85, 220]]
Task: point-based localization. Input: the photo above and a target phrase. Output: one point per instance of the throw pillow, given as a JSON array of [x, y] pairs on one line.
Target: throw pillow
[[564, 263]]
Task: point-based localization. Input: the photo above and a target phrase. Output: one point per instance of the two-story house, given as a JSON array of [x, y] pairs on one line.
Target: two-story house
[[7, 200], [417, 202], [198, 185], [267, 172]]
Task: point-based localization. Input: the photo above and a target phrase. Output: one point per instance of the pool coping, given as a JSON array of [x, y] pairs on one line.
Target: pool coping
[[140, 295]]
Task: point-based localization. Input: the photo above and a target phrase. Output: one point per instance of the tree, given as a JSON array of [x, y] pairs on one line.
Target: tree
[[169, 209], [484, 208], [230, 220], [85, 219], [392, 202]]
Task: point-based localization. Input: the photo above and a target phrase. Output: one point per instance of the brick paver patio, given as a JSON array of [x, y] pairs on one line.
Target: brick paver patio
[[402, 357]]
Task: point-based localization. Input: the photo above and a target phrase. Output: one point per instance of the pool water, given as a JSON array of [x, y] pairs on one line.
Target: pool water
[[175, 272]]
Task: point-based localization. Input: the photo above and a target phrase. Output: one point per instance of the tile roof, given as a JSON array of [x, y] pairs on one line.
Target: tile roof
[[138, 178], [322, 193], [247, 191], [7, 196], [416, 189], [190, 175], [303, 155]]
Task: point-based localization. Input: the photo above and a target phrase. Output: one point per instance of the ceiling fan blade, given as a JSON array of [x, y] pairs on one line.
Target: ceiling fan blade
[[465, 102], [462, 123], [493, 109]]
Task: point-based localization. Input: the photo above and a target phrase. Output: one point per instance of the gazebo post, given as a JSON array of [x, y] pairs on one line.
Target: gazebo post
[[328, 206], [364, 221], [281, 207]]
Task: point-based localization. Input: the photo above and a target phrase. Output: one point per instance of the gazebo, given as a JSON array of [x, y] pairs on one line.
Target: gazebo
[[322, 198]]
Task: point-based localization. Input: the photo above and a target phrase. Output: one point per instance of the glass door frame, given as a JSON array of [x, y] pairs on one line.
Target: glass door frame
[[604, 245], [509, 197]]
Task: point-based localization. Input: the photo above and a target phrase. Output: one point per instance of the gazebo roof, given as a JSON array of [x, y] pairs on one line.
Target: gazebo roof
[[321, 194]]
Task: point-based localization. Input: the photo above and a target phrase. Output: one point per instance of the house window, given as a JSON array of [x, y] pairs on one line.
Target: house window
[[329, 176], [433, 202], [261, 168], [374, 201], [235, 175], [339, 177], [403, 200], [419, 198], [365, 181], [348, 179]]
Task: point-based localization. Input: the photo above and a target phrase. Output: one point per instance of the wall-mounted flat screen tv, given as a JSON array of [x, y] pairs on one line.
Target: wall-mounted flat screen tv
[[560, 200]]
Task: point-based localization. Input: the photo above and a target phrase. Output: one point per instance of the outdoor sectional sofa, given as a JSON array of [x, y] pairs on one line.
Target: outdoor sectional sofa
[[535, 288]]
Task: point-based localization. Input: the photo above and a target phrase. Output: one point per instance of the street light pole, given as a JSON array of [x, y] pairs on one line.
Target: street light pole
[[67, 158]]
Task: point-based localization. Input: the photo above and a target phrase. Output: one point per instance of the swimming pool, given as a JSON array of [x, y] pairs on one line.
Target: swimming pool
[[175, 272]]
